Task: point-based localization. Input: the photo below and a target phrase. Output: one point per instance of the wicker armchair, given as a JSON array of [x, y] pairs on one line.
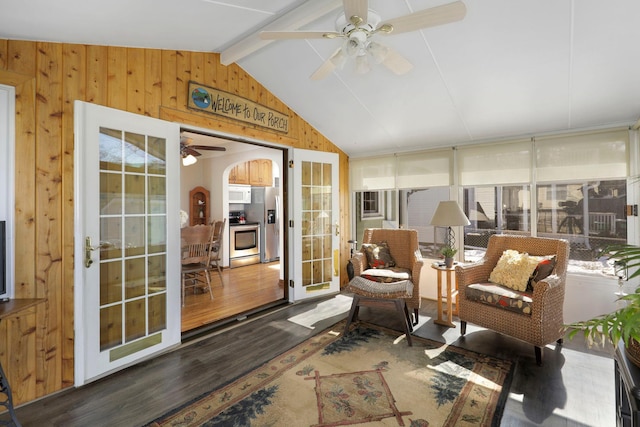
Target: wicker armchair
[[403, 245], [384, 284], [544, 324]]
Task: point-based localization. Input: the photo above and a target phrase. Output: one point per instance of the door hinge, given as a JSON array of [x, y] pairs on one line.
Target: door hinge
[[290, 164], [632, 210], [290, 223], [291, 283]]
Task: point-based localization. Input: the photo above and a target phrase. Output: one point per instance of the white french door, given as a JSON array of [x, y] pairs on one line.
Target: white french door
[[316, 240], [127, 268]]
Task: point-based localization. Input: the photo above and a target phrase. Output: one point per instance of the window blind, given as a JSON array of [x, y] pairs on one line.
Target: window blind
[[495, 164], [377, 173], [425, 169], [594, 155]]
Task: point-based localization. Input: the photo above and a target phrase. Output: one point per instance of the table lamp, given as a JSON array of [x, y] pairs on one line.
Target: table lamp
[[449, 214]]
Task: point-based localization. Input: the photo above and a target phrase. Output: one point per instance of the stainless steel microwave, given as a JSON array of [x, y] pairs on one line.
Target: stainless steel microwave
[[239, 193]]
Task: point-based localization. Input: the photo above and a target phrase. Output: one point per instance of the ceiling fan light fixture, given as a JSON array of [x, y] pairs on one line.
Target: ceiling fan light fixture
[[188, 160], [355, 44], [362, 64], [378, 52]]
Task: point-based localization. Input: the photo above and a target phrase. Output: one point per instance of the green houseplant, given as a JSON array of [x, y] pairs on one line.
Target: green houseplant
[[448, 253], [624, 323]]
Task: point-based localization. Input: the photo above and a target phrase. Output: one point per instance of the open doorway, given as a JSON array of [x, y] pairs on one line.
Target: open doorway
[[251, 255]]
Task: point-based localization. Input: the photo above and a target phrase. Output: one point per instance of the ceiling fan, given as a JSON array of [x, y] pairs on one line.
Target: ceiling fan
[[358, 24], [189, 152]]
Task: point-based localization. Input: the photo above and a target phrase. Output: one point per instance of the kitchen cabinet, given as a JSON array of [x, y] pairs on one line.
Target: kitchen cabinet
[[199, 206], [239, 174], [257, 172], [260, 172]]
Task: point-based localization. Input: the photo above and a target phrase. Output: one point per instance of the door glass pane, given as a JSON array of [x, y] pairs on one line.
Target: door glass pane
[[134, 189], [157, 313], [111, 237], [134, 241], [111, 279], [110, 327], [316, 225], [134, 277], [133, 237], [157, 191], [156, 155], [136, 320], [134, 152], [157, 274], [110, 149]]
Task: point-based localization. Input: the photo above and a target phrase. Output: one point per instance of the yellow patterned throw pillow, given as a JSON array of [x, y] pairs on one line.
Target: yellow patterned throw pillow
[[513, 270]]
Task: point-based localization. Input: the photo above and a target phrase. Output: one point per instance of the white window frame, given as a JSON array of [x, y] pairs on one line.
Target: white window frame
[[379, 212]]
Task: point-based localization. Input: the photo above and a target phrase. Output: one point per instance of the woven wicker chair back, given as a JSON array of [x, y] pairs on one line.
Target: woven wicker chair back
[[402, 243]]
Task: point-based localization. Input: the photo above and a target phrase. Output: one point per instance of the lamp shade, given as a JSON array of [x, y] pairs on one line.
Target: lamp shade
[[189, 160], [449, 214]]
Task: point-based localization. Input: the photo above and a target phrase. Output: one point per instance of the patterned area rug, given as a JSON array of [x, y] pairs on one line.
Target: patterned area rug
[[368, 377]]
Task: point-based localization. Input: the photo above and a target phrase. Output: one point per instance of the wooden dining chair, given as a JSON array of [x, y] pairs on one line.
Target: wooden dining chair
[[216, 246], [196, 244]]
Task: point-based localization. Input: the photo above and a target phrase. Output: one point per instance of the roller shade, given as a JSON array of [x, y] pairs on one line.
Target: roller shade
[[425, 169], [595, 155], [378, 173], [495, 164]]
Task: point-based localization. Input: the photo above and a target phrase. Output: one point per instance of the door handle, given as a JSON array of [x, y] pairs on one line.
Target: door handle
[[337, 229], [87, 251]]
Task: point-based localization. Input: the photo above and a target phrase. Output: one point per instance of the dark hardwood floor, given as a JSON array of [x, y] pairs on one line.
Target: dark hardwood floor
[[575, 387]]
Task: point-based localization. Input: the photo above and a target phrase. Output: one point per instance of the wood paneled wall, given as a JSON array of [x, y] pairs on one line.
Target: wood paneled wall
[[36, 347]]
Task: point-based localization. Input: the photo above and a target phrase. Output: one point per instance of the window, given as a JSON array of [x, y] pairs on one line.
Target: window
[[382, 208], [589, 223], [494, 210], [569, 186], [416, 210], [372, 205], [590, 214]]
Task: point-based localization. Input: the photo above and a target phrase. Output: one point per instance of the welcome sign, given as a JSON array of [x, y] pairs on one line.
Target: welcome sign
[[214, 101]]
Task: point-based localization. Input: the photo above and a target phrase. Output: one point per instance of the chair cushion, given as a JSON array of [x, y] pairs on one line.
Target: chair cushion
[[378, 255], [387, 275], [362, 286], [513, 270], [500, 296]]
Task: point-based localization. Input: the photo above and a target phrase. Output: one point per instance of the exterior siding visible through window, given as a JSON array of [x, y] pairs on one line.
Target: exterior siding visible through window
[[372, 205]]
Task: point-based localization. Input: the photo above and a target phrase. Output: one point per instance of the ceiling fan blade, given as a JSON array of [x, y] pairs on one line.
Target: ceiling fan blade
[[207, 147], [396, 62], [284, 35], [359, 8], [188, 150], [426, 18], [327, 66]]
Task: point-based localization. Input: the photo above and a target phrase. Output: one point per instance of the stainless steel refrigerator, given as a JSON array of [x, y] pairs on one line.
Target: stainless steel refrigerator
[[265, 209]]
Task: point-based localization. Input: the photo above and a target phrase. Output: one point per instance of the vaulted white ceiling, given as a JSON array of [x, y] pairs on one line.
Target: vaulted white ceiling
[[510, 68]]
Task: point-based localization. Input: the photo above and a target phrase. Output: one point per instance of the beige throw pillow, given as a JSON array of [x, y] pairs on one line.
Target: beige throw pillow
[[513, 270]]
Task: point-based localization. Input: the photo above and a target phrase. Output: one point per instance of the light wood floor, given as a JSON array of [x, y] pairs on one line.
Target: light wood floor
[[243, 290]]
